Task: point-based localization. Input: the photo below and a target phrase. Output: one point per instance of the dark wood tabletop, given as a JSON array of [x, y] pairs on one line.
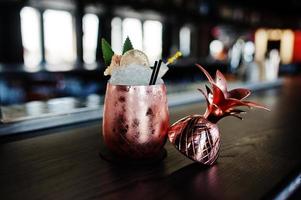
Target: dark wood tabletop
[[259, 158]]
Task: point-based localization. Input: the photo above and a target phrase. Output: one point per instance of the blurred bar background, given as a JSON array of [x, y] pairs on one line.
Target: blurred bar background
[[50, 55]]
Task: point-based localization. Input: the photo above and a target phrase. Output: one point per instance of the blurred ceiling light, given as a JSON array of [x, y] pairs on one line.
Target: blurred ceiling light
[[185, 40], [286, 38], [116, 35], [132, 27], [31, 38], [274, 34], [236, 54], [249, 47], [216, 48], [261, 39], [249, 50], [60, 51], [287, 46], [152, 39], [90, 29], [272, 65]]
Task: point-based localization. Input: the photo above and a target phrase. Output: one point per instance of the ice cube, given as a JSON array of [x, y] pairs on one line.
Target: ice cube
[[132, 74]]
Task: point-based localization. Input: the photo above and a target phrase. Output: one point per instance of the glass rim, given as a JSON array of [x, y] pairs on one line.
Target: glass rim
[[137, 86]]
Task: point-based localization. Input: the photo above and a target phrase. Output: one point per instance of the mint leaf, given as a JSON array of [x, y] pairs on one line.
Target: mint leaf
[[107, 51], [127, 45]]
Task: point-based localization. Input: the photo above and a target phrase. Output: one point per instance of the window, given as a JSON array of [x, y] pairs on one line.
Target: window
[[116, 35], [152, 39], [185, 37], [133, 28], [90, 29], [31, 38], [60, 51], [147, 37]]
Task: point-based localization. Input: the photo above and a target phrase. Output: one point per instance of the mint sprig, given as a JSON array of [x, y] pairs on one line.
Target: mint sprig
[[127, 45], [107, 51]]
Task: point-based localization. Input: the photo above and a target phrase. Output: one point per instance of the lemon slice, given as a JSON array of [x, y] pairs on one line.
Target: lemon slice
[[134, 56]]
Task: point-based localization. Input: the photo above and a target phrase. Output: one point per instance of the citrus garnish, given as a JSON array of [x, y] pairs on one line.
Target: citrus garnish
[[134, 56]]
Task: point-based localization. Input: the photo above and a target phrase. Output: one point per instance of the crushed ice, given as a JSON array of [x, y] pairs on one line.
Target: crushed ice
[[134, 74]]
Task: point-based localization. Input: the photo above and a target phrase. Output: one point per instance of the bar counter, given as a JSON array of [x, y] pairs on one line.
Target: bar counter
[[259, 158]]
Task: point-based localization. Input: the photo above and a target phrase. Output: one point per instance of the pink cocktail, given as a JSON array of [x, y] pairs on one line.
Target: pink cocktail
[[135, 120]]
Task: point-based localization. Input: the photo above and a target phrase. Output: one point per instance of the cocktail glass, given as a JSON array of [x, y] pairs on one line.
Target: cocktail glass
[[135, 120]]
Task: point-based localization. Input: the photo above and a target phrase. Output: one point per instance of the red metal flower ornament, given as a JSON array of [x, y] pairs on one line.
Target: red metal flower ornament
[[197, 136], [221, 102]]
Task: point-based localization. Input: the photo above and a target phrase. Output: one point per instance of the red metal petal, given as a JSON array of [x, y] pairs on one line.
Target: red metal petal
[[206, 73], [218, 95], [256, 105], [231, 103], [239, 93], [221, 81]]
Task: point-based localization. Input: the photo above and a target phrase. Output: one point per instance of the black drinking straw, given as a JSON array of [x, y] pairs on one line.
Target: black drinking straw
[[157, 72], [153, 73]]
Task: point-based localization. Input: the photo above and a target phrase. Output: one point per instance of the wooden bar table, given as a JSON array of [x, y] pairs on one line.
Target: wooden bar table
[[260, 157]]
